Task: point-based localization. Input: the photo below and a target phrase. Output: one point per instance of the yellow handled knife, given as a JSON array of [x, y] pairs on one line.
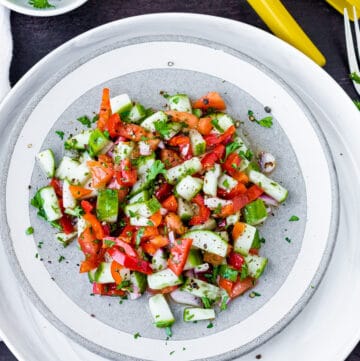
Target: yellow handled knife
[[340, 5]]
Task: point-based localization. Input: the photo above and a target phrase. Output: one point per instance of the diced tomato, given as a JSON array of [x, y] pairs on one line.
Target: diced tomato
[[170, 158], [128, 231], [56, 184], [210, 100], [126, 174], [213, 139], [105, 160], [115, 272], [241, 286], [213, 259], [205, 126], [159, 241], [254, 192], [170, 204], [65, 223], [179, 254], [254, 251], [88, 242], [105, 110], [226, 285], [130, 262], [100, 174], [87, 206], [164, 191], [79, 192], [88, 265], [173, 222], [95, 225], [113, 125], [122, 243], [238, 229], [149, 248], [133, 132], [236, 260], [122, 193], [241, 177], [106, 229], [189, 119], [183, 142], [239, 189], [107, 289], [232, 163], [149, 232], [156, 219], [203, 212]]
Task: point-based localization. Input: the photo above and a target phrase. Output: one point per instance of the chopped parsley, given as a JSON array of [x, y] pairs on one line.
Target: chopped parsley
[[137, 335], [206, 302], [84, 120], [40, 4], [215, 123], [246, 155], [223, 305], [355, 77], [357, 103], [109, 243], [162, 127], [139, 234], [171, 353], [168, 331], [294, 219], [231, 147], [61, 258], [254, 294], [29, 230], [226, 183], [124, 284], [40, 244], [60, 134], [210, 325], [287, 239], [157, 168], [264, 122], [244, 271]]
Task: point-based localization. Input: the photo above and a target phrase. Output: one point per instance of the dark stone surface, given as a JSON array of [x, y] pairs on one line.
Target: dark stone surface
[[35, 37]]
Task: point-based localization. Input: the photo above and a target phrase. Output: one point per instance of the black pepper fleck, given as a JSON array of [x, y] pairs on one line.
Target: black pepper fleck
[[267, 109], [258, 357]]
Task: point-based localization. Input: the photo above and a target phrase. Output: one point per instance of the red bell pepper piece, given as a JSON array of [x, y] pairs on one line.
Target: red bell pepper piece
[[65, 223], [232, 163], [214, 139], [56, 184], [170, 204], [164, 191], [179, 254], [131, 262], [226, 285], [123, 245], [212, 157], [204, 212], [133, 132], [95, 225], [183, 142], [239, 189], [88, 242], [236, 260], [241, 286], [87, 206], [126, 175], [107, 289], [210, 100], [113, 125], [105, 110]]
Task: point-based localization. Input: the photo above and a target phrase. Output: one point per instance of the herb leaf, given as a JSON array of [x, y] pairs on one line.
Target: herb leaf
[[266, 122], [60, 134], [40, 4], [29, 230], [157, 168], [139, 234], [162, 127], [137, 335], [294, 219], [355, 77], [231, 147], [85, 121], [109, 243], [357, 103]]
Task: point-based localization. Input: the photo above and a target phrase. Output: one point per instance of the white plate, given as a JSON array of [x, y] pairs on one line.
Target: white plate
[[60, 7], [237, 30]]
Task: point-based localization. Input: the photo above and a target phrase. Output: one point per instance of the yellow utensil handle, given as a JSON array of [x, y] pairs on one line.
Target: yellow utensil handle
[[283, 25], [339, 5]]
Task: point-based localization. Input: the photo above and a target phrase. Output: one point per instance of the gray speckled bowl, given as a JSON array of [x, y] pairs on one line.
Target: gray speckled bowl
[[173, 64]]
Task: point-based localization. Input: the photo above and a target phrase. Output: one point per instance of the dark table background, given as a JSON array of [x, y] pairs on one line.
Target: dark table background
[[36, 37]]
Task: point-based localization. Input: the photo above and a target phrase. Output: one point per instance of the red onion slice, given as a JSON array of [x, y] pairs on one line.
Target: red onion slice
[[144, 148], [171, 237], [163, 211], [161, 145], [267, 162], [185, 298], [269, 201], [202, 268]]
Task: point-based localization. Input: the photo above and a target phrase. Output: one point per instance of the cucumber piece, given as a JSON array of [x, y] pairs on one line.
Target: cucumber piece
[[198, 144], [137, 113], [208, 241], [228, 273], [208, 225], [224, 235], [144, 163], [81, 225], [221, 121], [255, 212], [189, 187], [202, 267], [46, 159], [75, 172], [141, 184], [256, 265], [139, 281], [141, 221], [160, 311], [233, 218], [149, 122], [142, 209], [140, 197], [189, 167], [227, 183], [91, 275], [198, 314], [194, 259], [120, 104], [180, 103], [211, 179], [107, 205], [97, 142], [123, 150], [50, 203], [162, 279], [79, 141], [173, 129], [65, 238], [68, 200], [270, 187], [244, 242], [197, 112], [159, 260], [103, 273], [200, 288], [216, 203], [184, 211]]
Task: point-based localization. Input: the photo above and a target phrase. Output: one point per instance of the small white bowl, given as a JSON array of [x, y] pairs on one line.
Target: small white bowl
[[60, 7]]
